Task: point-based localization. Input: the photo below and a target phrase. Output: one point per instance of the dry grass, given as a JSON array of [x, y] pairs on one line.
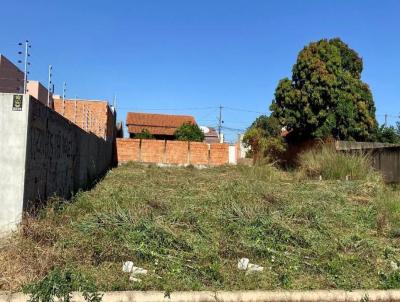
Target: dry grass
[[189, 227]]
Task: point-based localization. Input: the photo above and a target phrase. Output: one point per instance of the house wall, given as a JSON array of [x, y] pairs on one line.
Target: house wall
[[44, 155], [92, 116], [39, 92], [11, 77], [172, 152]]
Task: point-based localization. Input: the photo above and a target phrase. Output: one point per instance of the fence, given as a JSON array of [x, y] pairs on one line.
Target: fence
[[175, 152], [385, 157]]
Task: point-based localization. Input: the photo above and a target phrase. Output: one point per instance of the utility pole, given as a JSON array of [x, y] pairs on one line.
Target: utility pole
[[26, 63], [220, 121], [386, 116], [49, 85]]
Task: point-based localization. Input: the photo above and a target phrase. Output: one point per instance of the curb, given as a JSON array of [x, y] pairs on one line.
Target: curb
[[233, 296]]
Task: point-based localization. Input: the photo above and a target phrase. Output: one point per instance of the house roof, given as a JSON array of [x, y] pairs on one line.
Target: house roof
[[156, 124], [210, 135]]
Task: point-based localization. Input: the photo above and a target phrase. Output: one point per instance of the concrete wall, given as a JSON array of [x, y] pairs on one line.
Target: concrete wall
[[13, 132], [44, 155], [174, 152]]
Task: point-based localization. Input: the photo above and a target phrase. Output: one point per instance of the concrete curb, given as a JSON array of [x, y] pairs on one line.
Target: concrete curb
[[234, 296]]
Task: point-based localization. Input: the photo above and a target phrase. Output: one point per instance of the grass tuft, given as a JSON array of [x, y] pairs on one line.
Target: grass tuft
[[333, 165]]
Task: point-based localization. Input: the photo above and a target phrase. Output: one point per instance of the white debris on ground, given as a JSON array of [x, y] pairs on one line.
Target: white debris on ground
[[250, 268], [254, 268], [138, 271], [394, 265], [243, 263], [128, 267], [133, 279]]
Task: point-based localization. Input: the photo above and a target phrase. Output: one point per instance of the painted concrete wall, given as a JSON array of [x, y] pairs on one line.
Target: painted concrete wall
[[13, 131], [43, 155], [39, 92]]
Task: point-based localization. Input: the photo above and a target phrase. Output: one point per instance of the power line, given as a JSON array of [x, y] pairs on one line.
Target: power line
[[233, 129], [244, 110], [168, 108]]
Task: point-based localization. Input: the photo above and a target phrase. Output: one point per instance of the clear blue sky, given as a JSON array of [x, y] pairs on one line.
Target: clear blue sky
[[179, 55]]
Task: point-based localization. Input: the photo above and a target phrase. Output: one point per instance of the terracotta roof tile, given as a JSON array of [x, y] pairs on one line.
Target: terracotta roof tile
[[158, 124]]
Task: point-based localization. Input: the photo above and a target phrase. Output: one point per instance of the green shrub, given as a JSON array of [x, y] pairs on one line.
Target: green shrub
[[391, 280], [61, 284], [325, 161], [145, 134], [189, 132]]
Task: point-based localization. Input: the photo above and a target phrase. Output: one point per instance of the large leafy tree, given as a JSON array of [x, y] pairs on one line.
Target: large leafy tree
[[326, 97]]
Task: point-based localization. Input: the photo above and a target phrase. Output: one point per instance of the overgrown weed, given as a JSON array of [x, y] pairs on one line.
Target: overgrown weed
[[330, 164]]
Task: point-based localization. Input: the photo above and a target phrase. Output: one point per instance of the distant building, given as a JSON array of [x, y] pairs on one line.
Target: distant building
[[120, 130], [210, 135], [93, 116], [11, 77], [161, 126], [12, 81], [39, 92]]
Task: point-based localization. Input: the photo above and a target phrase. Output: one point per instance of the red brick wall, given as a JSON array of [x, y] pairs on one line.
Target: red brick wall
[[219, 154], [152, 151], [128, 150], [177, 152], [172, 152], [91, 116], [199, 154]]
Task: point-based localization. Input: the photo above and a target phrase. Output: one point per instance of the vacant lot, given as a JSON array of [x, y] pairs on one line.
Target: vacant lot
[[190, 227]]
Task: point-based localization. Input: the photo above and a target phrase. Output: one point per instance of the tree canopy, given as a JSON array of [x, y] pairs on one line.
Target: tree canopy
[[389, 134], [325, 96], [189, 132]]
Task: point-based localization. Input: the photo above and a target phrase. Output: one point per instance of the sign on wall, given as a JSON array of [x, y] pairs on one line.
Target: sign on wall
[[17, 103]]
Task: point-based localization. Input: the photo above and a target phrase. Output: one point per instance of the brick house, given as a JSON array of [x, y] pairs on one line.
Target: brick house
[[161, 126], [93, 116], [210, 135], [11, 77]]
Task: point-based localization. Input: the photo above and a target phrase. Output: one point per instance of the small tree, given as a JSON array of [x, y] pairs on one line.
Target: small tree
[[145, 134], [264, 138], [189, 132]]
